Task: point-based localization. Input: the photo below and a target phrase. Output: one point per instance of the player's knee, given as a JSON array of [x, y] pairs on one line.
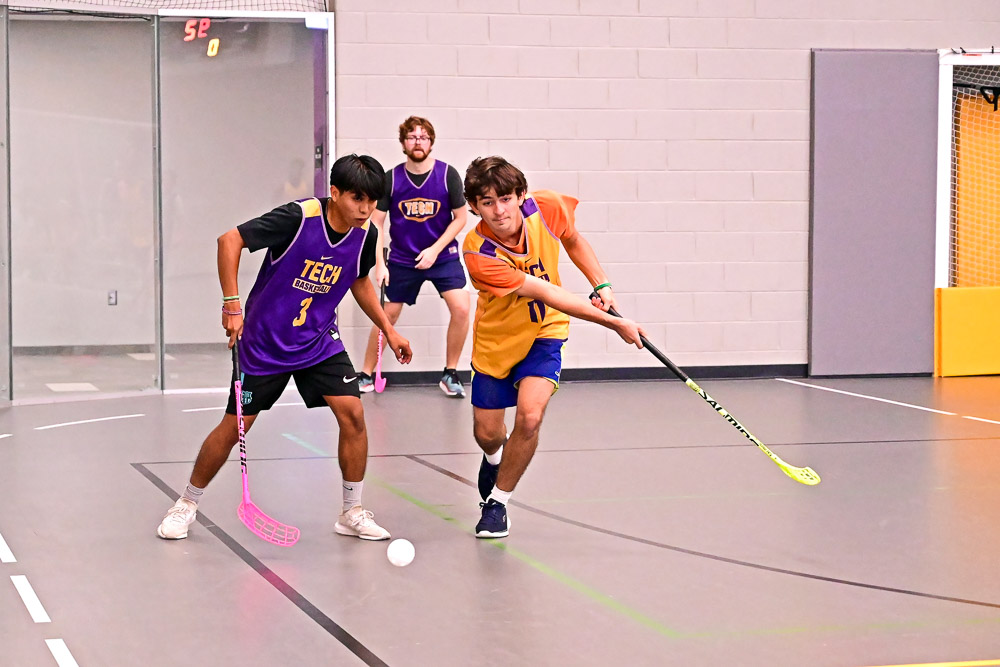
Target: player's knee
[[352, 420], [459, 309], [529, 423], [489, 439]]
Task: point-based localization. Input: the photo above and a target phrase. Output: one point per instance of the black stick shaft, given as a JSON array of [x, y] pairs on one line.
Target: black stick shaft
[[654, 350]]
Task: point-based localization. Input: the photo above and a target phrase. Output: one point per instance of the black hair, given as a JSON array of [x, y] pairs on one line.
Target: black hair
[[358, 173]]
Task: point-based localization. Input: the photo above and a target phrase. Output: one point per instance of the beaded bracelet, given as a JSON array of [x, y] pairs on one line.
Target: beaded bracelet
[[231, 298], [231, 312], [598, 288]]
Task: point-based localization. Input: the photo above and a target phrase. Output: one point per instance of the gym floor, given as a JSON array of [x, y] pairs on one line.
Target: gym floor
[[647, 531]]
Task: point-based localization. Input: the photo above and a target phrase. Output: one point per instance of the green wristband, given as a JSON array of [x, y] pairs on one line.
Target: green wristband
[[231, 298], [598, 288]]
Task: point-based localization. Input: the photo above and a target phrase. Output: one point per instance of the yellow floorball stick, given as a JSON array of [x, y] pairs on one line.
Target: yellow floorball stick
[[802, 475]]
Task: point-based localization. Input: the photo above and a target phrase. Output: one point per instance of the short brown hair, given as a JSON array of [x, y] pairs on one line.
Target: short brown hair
[[493, 172], [412, 122]]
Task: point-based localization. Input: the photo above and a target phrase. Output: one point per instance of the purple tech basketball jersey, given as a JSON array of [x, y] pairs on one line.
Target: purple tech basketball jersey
[[419, 216], [291, 313]]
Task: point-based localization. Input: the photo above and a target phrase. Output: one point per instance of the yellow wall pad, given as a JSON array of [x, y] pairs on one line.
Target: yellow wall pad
[[967, 331]]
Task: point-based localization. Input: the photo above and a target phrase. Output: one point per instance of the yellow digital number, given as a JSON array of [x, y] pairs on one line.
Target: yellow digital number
[[301, 319]]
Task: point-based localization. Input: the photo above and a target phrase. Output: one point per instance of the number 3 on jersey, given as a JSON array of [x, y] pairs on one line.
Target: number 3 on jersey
[[301, 319]]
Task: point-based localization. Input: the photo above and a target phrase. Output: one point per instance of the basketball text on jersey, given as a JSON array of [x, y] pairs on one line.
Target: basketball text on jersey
[[317, 277], [419, 210]]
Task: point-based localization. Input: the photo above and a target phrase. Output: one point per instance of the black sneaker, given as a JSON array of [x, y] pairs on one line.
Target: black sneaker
[[365, 383], [451, 385], [494, 522], [487, 477]]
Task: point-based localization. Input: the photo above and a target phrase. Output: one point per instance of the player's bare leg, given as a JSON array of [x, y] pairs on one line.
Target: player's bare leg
[[352, 454], [488, 429], [457, 301], [458, 328], [216, 448], [212, 455], [533, 396]]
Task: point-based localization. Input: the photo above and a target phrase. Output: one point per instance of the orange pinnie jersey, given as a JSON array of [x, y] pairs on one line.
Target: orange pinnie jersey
[[506, 325]]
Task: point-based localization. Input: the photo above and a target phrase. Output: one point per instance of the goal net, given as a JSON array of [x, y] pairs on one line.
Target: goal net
[[975, 177], [152, 6]]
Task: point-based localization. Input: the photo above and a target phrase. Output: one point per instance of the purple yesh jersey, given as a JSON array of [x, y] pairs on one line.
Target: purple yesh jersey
[[291, 314], [419, 216]]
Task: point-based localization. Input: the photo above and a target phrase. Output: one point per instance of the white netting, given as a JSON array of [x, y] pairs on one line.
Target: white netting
[[134, 6], [975, 177]]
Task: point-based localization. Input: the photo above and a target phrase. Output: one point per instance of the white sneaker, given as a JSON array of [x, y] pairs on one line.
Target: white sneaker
[[175, 524], [359, 522]]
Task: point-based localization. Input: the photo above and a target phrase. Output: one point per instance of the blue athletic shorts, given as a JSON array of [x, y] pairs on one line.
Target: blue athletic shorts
[[405, 281], [543, 360]]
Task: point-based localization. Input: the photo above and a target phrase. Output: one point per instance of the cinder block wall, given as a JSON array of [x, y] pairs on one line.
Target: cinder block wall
[[681, 125]]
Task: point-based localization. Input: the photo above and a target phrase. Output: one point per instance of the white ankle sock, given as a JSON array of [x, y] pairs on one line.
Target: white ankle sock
[[494, 458], [502, 497], [192, 493], [352, 494]]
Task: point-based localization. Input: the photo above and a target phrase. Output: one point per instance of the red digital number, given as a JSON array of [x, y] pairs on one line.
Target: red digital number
[[196, 29]]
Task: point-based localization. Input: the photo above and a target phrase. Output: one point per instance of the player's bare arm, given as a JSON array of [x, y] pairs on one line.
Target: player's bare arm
[[364, 294], [428, 256], [381, 268], [230, 248], [559, 298], [582, 254]]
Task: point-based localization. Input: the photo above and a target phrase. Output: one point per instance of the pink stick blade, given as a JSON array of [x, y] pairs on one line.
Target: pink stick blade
[[379, 380], [259, 523], [265, 527]]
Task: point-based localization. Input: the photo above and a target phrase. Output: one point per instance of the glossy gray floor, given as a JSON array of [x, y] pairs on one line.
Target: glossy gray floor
[[647, 531]]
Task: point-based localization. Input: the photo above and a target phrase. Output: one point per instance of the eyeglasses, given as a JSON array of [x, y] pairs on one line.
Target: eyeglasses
[[423, 138]]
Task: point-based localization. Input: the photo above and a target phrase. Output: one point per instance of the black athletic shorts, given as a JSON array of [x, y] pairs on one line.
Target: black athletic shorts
[[331, 377]]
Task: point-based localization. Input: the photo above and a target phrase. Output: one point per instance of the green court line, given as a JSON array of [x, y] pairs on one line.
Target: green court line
[[563, 578], [610, 603], [299, 441]]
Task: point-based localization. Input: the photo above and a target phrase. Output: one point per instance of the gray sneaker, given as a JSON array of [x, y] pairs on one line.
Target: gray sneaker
[[365, 383], [451, 385]]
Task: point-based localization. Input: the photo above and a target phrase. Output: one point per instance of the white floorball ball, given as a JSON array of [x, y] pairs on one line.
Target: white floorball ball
[[400, 552]]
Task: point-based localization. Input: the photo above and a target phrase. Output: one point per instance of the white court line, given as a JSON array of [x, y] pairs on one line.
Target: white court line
[[980, 419], [6, 555], [29, 598], [181, 392], [61, 653], [87, 421], [222, 407], [871, 398]]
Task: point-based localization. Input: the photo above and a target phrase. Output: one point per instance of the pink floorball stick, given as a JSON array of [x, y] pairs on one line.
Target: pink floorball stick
[[379, 380], [252, 517]]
